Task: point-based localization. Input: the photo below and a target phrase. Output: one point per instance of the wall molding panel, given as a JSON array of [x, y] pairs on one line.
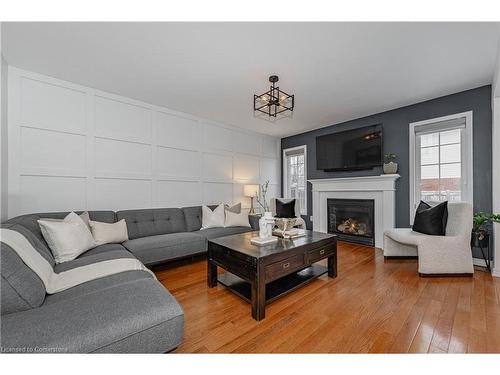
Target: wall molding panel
[[76, 148]]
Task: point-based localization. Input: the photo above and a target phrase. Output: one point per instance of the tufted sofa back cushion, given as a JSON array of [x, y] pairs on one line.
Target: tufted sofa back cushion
[[193, 217], [152, 222], [30, 221]]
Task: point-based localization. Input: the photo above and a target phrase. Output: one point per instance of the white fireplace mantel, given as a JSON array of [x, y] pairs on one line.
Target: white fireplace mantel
[[379, 188]]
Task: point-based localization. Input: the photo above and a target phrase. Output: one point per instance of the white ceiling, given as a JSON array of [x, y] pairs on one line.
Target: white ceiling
[[337, 71]]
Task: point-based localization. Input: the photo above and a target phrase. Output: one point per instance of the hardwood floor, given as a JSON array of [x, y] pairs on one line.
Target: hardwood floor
[[373, 306]]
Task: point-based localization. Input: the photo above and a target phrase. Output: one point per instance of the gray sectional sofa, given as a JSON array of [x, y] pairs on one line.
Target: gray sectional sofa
[[125, 312]]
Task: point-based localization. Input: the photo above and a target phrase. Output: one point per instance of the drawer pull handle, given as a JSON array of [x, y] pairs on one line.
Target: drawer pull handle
[[321, 252], [286, 265]]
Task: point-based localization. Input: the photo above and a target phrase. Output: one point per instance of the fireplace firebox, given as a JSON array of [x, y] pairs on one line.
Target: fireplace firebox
[[352, 220]]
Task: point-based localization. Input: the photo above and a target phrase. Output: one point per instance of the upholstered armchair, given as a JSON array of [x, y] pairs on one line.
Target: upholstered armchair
[[449, 254], [300, 222]]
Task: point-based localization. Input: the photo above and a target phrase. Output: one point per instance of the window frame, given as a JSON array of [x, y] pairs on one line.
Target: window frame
[[303, 210], [467, 170]]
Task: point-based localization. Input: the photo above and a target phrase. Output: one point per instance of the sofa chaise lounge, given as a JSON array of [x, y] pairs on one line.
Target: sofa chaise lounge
[[124, 312]]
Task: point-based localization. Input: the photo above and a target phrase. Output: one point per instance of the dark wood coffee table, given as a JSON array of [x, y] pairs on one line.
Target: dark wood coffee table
[[261, 274]]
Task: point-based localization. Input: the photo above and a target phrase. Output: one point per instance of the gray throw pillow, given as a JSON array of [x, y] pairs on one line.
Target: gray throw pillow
[[235, 209]]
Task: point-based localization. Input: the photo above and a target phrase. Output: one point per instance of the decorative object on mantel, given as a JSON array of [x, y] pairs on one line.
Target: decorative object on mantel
[[480, 234], [274, 102], [390, 167], [251, 191]]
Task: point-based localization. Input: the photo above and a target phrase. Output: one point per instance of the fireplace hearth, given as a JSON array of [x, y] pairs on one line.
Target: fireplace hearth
[[352, 220]]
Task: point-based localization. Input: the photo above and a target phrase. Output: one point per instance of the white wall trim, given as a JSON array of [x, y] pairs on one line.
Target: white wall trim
[[111, 152], [469, 167], [285, 174]]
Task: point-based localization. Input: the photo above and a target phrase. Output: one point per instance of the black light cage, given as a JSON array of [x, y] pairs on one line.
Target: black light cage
[[273, 106]]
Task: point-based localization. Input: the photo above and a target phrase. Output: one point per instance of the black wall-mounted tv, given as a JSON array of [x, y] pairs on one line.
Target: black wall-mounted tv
[[350, 150]]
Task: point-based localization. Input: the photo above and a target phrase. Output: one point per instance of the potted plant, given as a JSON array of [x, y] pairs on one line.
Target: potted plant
[[390, 167], [480, 235]]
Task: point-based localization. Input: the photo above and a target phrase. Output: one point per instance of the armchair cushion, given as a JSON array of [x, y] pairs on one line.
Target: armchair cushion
[[431, 220]]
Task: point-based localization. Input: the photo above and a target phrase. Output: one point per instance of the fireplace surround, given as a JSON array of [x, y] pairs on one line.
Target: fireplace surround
[[381, 189], [352, 220]]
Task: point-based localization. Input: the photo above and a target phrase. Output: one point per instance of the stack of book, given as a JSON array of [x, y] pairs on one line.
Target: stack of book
[[291, 233]]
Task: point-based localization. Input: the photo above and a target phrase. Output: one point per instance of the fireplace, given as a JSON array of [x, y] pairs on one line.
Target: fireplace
[[352, 220]]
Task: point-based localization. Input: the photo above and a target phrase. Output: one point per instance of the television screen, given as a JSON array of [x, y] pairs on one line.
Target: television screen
[[353, 149]]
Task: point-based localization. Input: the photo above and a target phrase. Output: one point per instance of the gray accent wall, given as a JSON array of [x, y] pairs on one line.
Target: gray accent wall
[[396, 139]]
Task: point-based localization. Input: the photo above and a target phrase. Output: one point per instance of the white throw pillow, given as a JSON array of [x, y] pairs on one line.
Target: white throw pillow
[[109, 232], [212, 219], [67, 238], [236, 220]]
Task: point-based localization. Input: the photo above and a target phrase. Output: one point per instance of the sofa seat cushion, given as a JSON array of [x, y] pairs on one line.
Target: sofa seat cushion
[[91, 259], [97, 285], [155, 249], [103, 249], [138, 316], [220, 232]]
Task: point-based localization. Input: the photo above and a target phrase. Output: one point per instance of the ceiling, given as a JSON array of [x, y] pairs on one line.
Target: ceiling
[[337, 71]]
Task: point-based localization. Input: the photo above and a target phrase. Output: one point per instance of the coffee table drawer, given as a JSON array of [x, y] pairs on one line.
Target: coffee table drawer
[[320, 253], [284, 267], [238, 264]]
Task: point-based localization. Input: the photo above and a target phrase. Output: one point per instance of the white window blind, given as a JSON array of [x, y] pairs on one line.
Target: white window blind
[[295, 176]]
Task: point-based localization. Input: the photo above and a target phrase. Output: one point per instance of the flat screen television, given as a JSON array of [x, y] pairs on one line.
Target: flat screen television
[[350, 150]]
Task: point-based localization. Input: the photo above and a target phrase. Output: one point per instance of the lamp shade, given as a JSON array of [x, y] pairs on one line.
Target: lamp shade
[[250, 190]]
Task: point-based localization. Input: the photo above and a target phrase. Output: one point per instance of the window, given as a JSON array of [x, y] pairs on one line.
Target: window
[[441, 160], [295, 175]]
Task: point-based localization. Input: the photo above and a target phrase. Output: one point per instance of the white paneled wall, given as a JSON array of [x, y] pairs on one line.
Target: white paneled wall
[[73, 147]]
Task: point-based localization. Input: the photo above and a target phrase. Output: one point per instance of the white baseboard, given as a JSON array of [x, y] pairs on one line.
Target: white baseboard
[[495, 272], [480, 262]]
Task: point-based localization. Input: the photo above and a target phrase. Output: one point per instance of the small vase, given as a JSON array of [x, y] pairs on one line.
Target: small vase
[[390, 168], [266, 223]]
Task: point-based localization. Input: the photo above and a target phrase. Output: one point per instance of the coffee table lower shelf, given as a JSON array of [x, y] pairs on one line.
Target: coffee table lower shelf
[[276, 288]]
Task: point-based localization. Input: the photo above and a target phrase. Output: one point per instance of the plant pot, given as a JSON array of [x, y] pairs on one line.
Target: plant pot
[[390, 168], [480, 238]]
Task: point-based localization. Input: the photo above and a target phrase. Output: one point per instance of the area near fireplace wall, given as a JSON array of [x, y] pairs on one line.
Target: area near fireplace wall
[[379, 188]]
